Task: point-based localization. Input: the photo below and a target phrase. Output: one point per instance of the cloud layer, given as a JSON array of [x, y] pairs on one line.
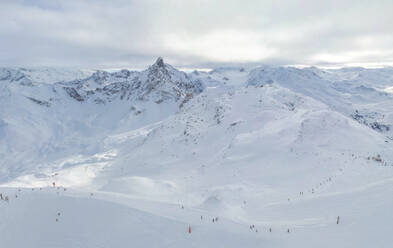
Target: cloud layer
[[195, 33]]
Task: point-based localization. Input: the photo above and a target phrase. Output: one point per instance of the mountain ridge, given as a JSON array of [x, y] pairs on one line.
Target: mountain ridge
[[272, 147]]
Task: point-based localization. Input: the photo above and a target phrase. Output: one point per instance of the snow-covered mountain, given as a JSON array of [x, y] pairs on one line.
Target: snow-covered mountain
[[362, 94], [138, 157], [160, 83]]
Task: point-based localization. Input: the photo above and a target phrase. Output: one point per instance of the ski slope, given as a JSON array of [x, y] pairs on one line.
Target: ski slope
[[276, 154]]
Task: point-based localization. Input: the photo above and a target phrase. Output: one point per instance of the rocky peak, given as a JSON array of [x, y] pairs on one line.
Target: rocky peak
[[160, 82], [159, 62], [159, 69]]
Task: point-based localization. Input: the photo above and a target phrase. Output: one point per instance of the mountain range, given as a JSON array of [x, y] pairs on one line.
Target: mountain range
[[276, 154]]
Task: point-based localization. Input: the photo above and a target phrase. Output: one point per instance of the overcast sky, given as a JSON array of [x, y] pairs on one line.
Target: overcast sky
[[195, 33]]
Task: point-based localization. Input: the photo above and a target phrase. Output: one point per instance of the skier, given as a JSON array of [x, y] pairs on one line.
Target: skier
[[338, 219]]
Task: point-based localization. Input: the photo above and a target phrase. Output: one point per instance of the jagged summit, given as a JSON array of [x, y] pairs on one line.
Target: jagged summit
[[159, 62], [163, 82], [159, 83]]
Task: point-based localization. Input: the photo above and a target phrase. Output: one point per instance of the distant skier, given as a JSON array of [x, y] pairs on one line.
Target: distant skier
[[338, 219]]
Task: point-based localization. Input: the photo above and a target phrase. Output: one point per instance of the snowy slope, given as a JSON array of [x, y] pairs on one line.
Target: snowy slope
[[362, 94], [60, 119], [138, 157]]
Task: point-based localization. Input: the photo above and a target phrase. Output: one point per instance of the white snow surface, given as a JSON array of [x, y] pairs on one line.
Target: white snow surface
[[276, 154]]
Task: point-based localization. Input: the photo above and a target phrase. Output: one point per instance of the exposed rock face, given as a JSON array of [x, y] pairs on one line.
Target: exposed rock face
[[372, 120], [40, 102], [14, 76], [160, 62], [162, 82], [159, 83], [74, 94]]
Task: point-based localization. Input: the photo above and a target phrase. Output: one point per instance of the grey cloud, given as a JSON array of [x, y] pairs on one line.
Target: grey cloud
[[199, 33]]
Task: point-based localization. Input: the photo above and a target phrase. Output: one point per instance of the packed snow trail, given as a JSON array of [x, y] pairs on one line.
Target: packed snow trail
[[264, 157], [112, 220], [30, 221]]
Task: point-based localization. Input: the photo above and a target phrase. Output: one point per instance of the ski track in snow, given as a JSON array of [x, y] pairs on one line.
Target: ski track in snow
[[275, 153]]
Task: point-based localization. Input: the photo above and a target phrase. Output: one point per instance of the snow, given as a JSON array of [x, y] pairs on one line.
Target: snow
[[144, 155]]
